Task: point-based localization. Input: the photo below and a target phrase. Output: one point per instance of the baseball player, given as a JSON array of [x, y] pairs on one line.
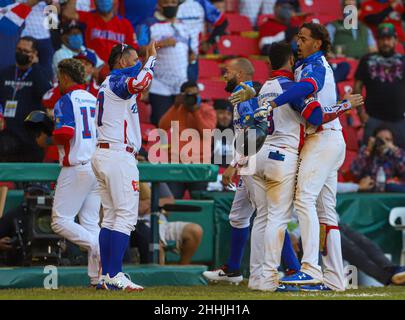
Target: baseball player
[[76, 187], [288, 134], [243, 206], [321, 157], [114, 162], [277, 162]]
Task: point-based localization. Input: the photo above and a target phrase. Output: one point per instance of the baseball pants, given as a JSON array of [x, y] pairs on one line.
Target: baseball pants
[[242, 208], [273, 194], [118, 179], [315, 202], [76, 195]]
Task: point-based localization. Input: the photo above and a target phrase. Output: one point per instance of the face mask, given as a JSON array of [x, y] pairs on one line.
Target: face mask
[[192, 100], [231, 85], [104, 6], [132, 71], [170, 12], [21, 58], [75, 41]]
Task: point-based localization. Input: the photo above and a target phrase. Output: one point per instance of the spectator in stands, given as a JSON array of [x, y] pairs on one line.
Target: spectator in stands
[[223, 149], [186, 236], [137, 11], [381, 151], [89, 60], [375, 12], [383, 76], [12, 18], [104, 29], [276, 29], [194, 14], [252, 8], [189, 113], [363, 253], [365, 184], [177, 48], [36, 27], [353, 43], [72, 45], [21, 89]]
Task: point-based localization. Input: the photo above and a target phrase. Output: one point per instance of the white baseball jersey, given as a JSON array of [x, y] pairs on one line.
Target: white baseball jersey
[[75, 114], [117, 110], [286, 126], [318, 72]]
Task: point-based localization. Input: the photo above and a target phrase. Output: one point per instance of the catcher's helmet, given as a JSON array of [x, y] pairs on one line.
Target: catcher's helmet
[[39, 121]]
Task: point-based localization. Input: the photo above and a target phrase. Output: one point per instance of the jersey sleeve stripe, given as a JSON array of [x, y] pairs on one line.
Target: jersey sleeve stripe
[[307, 111], [313, 82]]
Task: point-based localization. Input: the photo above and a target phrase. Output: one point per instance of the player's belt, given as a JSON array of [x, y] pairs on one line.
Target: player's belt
[[104, 145]]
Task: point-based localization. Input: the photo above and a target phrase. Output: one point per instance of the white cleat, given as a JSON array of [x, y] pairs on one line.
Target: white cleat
[[221, 274], [254, 283], [121, 282]]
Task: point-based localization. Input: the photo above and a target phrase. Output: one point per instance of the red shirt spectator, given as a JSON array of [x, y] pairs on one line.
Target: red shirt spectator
[[374, 12], [104, 29]]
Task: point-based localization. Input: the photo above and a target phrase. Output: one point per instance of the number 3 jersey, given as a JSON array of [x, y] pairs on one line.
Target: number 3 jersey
[[117, 112], [74, 116]]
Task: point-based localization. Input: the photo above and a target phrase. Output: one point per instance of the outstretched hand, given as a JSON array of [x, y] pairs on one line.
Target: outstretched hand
[[244, 94]]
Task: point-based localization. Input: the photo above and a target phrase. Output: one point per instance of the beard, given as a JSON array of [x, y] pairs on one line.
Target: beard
[[231, 85], [387, 52]]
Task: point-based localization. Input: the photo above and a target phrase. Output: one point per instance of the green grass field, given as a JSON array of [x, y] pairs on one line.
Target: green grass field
[[211, 292]]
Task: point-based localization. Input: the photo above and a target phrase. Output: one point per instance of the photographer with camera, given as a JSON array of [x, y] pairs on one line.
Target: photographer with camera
[[15, 229], [381, 160], [189, 113]]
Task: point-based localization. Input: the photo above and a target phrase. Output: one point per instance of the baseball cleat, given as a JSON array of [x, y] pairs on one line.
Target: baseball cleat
[[121, 282], [299, 278], [101, 284], [399, 277], [316, 288], [287, 288], [222, 274]]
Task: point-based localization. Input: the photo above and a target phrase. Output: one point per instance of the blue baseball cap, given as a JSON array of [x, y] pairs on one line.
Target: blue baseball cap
[[88, 56]]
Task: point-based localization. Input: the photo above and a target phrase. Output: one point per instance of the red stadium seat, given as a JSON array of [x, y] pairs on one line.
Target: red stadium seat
[[208, 69], [330, 10], [145, 111], [262, 70], [238, 23], [263, 18], [233, 45], [352, 142], [352, 62], [400, 48], [212, 89], [345, 87], [344, 171], [145, 131]]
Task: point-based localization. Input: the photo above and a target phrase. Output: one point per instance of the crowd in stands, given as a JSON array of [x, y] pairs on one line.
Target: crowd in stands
[[196, 38]]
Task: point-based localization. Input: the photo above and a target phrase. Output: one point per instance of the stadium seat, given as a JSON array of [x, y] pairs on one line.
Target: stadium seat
[[345, 87], [145, 111], [212, 89], [145, 131], [234, 45], [352, 142], [262, 70], [263, 18], [330, 10], [238, 23], [400, 48], [344, 170], [208, 69]]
